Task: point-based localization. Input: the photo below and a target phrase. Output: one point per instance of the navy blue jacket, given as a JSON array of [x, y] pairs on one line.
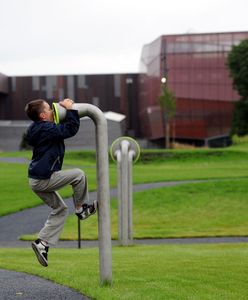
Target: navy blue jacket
[[47, 140]]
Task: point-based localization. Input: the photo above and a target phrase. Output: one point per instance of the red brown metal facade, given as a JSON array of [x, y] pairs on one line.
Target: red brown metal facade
[[196, 71]]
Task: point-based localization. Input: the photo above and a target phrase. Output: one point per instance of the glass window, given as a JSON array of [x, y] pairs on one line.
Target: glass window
[[51, 83], [36, 83], [61, 93], [13, 84], [70, 87], [95, 101], [81, 82], [117, 85]]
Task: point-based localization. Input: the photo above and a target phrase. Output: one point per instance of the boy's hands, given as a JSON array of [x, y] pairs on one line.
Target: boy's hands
[[66, 103]]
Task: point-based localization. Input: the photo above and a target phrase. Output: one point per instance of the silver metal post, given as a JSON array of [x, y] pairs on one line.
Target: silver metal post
[[103, 194], [79, 234], [118, 158], [125, 151], [131, 155], [124, 192]]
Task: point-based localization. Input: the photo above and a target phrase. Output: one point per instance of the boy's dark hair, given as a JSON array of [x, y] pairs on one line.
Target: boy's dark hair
[[34, 108]]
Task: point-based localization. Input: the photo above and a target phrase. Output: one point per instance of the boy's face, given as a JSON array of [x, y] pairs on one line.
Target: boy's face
[[47, 113]]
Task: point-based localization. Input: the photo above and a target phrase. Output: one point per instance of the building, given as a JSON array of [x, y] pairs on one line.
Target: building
[[109, 92], [196, 71], [4, 90]]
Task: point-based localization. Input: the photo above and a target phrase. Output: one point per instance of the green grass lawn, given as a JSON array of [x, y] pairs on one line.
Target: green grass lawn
[[217, 208], [146, 272], [161, 271], [16, 193], [172, 165]]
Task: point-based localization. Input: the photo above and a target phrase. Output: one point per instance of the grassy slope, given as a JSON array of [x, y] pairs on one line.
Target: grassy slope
[[192, 210], [175, 165], [146, 272]]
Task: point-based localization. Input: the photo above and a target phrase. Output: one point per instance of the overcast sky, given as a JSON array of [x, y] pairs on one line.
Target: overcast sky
[[42, 37]]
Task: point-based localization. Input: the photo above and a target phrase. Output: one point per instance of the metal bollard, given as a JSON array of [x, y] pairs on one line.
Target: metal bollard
[[125, 151]]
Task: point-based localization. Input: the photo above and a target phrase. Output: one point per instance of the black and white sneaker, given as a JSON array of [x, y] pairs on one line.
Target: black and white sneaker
[[41, 252], [87, 210]]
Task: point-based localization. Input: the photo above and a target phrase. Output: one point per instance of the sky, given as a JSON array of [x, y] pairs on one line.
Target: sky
[[52, 37]]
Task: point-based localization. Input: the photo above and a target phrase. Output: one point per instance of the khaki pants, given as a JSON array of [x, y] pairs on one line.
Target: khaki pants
[[46, 189]]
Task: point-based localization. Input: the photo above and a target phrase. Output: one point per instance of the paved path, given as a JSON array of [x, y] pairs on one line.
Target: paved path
[[14, 160], [16, 285]]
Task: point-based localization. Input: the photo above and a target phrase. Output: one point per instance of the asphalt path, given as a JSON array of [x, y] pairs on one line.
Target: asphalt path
[[17, 285]]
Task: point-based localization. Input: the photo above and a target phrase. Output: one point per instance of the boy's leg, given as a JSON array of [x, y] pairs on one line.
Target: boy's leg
[[46, 190], [77, 179], [51, 231], [53, 227]]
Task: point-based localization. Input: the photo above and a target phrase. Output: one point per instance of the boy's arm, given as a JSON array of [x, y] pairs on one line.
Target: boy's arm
[[70, 126], [66, 103]]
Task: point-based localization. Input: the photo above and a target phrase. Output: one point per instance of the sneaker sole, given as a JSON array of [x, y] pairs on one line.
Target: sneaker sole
[[95, 208], [39, 256]]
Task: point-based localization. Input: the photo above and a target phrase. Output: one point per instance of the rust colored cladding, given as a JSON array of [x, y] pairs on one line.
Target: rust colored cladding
[[151, 121], [200, 119], [195, 68], [195, 119]]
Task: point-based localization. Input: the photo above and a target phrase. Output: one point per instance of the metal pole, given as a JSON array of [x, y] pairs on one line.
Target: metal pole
[[118, 158], [103, 194], [79, 234], [131, 154], [124, 192], [125, 151]]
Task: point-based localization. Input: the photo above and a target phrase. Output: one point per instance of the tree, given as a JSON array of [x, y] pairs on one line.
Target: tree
[[240, 119], [168, 105], [237, 62]]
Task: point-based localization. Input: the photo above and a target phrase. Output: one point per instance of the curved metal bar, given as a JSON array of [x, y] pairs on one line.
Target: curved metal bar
[[103, 194]]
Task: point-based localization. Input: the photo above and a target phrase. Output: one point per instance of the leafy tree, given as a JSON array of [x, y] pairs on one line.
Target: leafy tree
[[168, 104], [238, 64], [240, 119]]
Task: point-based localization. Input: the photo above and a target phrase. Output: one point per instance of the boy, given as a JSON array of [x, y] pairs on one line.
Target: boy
[[45, 174]]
